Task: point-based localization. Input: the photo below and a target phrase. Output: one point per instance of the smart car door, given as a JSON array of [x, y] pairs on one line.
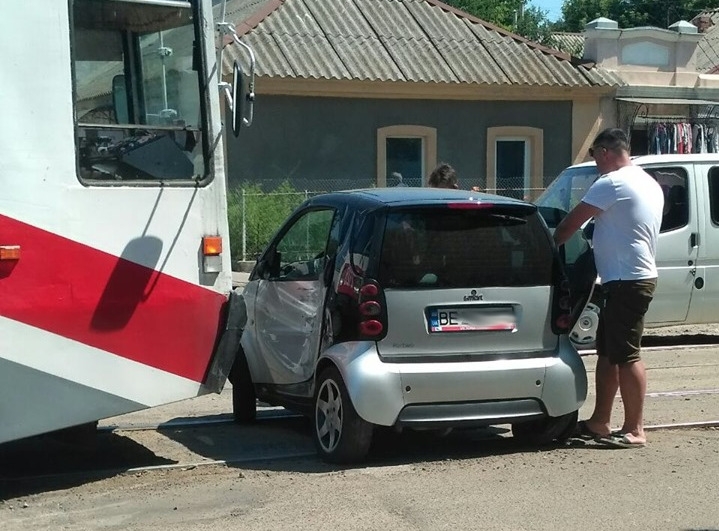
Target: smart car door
[[290, 297]]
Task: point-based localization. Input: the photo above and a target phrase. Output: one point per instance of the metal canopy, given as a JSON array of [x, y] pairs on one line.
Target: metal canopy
[[668, 101]]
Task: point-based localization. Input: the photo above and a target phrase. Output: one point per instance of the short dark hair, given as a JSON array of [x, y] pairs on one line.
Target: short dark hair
[[613, 139], [443, 176]]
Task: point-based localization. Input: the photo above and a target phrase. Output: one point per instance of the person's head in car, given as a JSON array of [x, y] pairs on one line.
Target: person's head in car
[[443, 176]]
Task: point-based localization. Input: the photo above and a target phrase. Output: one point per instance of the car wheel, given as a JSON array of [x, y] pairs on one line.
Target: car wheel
[[584, 333], [545, 431], [244, 402], [340, 435]]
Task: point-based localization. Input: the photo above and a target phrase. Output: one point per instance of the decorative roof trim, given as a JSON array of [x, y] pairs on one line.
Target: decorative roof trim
[[245, 26]]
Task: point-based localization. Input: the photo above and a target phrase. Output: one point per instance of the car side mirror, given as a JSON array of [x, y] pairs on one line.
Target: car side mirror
[[269, 265]]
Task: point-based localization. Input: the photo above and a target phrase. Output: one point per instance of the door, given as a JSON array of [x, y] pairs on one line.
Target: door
[[289, 300], [676, 251], [704, 307]]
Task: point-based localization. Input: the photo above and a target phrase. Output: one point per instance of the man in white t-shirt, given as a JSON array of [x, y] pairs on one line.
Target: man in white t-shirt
[[626, 204]]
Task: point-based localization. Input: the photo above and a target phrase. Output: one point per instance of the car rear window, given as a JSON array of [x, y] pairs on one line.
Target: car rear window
[[458, 248]]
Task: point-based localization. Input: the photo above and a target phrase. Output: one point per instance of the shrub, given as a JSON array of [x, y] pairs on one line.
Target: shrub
[[262, 213]]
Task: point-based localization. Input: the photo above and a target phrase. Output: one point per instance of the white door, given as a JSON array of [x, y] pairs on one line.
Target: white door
[[704, 308], [676, 253]]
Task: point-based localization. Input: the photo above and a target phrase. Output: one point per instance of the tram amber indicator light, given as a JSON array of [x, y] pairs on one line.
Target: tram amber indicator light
[[212, 245], [9, 252]]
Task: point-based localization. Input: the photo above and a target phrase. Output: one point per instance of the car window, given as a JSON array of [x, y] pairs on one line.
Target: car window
[[568, 189], [447, 248], [714, 194], [302, 250], [362, 243], [676, 203]]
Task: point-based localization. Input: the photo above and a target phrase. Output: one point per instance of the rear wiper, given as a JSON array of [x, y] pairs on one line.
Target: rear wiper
[[509, 219]]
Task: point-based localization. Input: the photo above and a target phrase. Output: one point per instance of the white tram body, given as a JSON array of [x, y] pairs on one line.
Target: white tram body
[[115, 290]]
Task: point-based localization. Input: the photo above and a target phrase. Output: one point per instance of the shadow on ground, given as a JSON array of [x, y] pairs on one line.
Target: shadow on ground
[[683, 339], [57, 461]]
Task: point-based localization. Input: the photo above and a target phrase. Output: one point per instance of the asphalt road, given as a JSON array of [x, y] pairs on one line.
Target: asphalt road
[[475, 479]]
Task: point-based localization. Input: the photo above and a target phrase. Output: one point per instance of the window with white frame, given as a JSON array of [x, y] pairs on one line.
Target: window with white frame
[[405, 155], [515, 161]]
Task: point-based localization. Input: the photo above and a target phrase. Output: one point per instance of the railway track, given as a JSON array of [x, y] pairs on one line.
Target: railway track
[[275, 425]]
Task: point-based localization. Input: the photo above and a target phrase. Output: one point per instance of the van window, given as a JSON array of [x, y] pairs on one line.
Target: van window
[[714, 194], [445, 248], [676, 204]]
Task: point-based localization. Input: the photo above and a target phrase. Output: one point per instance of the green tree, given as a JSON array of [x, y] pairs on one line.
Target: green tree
[[517, 16], [630, 13]]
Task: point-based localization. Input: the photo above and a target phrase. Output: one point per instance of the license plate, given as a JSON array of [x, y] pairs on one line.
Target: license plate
[[471, 319]]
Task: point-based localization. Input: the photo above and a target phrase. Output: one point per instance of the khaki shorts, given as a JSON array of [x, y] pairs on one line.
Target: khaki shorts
[[621, 320]]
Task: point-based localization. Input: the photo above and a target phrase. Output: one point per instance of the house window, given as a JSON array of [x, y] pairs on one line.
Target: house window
[[512, 166], [405, 154], [515, 161]]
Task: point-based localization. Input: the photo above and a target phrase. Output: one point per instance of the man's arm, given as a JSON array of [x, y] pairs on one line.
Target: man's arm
[[574, 220]]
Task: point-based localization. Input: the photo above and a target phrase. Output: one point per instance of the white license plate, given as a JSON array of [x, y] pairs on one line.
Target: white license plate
[[471, 319]]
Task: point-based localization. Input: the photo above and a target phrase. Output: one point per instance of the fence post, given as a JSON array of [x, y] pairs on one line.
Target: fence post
[[307, 229], [244, 227]]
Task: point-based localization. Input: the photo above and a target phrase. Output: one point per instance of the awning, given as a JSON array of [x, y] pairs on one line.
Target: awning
[[668, 101]]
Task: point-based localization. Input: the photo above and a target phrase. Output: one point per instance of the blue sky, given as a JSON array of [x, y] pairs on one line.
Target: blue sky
[[553, 7]]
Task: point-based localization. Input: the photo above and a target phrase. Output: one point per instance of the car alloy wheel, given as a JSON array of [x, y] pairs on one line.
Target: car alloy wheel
[[328, 416], [340, 434]]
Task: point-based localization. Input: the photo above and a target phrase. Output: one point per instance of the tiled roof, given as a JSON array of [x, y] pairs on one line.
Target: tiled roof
[[707, 54], [396, 40], [571, 43]]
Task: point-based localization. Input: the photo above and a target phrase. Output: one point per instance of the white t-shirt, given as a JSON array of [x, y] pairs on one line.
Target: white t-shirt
[[625, 233]]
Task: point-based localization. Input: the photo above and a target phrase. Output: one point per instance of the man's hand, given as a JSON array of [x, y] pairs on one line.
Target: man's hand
[[574, 220]]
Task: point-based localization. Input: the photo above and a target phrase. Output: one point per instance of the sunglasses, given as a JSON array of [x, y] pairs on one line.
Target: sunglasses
[[593, 149]]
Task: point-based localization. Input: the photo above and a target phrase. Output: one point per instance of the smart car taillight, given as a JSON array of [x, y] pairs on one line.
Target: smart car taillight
[[561, 309], [372, 327], [371, 310]]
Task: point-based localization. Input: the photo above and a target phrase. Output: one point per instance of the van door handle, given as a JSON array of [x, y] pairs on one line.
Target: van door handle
[[694, 240]]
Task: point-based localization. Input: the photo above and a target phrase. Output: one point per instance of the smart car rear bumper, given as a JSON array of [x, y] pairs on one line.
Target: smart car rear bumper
[[447, 393]]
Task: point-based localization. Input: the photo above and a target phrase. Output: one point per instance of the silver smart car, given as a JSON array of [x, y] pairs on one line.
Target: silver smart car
[[410, 307]]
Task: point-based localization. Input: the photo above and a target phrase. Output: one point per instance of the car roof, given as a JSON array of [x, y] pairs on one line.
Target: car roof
[[406, 195], [663, 158]]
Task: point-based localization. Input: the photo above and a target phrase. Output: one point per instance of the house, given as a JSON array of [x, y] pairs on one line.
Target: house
[[669, 76], [664, 87], [350, 92]]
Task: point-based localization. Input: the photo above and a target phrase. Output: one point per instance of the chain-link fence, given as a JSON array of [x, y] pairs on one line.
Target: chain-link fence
[[256, 210]]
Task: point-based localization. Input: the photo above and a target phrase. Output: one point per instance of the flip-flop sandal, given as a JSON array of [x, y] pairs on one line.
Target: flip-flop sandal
[[583, 431], [620, 440]]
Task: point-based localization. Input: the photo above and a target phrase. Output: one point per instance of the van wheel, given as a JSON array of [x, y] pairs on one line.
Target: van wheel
[[545, 431], [584, 333], [244, 402], [340, 435]]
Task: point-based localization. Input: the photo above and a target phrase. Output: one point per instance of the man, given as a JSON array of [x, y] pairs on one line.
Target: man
[[626, 204]]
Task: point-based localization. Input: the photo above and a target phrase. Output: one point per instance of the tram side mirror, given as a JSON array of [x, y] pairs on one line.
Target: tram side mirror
[[238, 97]]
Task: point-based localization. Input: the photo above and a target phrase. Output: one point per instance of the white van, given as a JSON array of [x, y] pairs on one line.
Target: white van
[[688, 247]]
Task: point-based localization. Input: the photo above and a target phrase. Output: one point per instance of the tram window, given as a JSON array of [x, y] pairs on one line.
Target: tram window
[[139, 104]]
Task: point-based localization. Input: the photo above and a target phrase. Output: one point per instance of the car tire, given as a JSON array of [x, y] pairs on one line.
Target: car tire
[[244, 401], [545, 431], [340, 434]]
